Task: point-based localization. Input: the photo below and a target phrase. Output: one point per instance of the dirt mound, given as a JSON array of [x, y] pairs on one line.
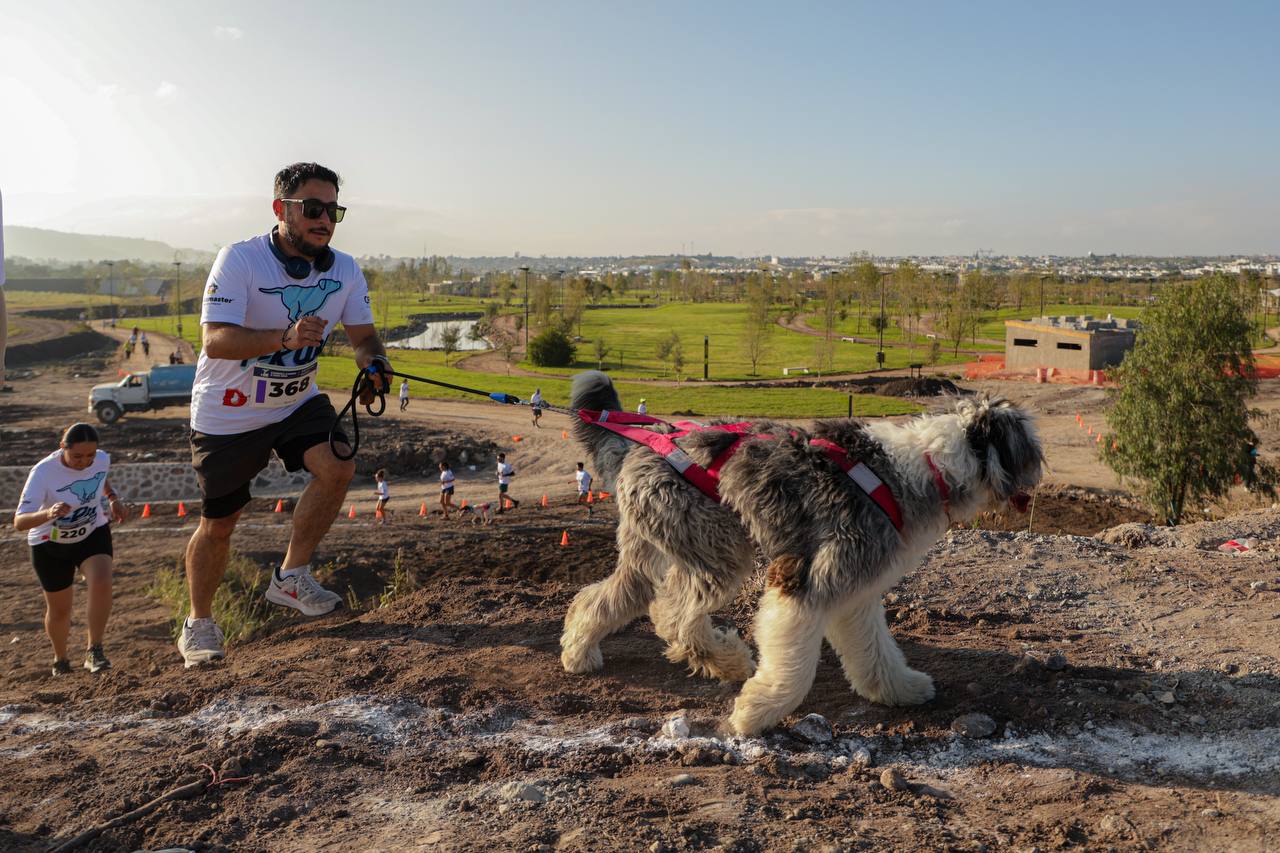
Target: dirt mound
[[926, 386], [75, 345], [1063, 510]]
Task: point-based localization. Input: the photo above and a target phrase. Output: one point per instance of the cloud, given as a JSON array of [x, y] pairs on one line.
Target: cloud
[[108, 90], [166, 91], [222, 33]]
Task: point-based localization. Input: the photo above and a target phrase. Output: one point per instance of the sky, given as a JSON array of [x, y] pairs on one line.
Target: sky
[[606, 128]]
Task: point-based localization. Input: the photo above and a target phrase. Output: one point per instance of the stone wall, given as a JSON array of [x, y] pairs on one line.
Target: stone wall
[[140, 482]]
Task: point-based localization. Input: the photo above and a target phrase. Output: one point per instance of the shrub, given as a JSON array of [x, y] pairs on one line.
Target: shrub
[[239, 605], [552, 348]]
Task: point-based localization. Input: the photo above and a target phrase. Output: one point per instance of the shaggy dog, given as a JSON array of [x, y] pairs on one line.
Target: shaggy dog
[[832, 551]]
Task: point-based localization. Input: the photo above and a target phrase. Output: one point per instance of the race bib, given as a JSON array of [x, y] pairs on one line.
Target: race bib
[[274, 387], [70, 535]]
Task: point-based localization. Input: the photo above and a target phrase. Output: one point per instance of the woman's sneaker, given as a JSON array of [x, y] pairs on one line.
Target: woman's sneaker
[[62, 667], [95, 660], [302, 592], [200, 642]]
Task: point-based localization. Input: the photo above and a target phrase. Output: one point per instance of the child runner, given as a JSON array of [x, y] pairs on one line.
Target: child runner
[[67, 507], [642, 409], [584, 487], [446, 489], [382, 493], [404, 395], [505, 473], [536, 402], [146, 345]]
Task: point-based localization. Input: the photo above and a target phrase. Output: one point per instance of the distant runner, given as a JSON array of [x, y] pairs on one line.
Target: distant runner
[[505, 473], [404, 395], [536, 403]]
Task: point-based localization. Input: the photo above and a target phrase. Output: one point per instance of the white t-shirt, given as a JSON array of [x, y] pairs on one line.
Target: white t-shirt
[[584, 481], [446, 479], [51, 481], [249, 287], [536, 400], [505, 473], [404, 390], [382, 490], [642, 409]]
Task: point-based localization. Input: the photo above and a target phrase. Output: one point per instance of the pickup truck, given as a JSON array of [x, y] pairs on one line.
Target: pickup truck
[[165, 385]]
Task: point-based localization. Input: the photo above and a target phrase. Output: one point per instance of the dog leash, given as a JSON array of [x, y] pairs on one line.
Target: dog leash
[[380, 367]]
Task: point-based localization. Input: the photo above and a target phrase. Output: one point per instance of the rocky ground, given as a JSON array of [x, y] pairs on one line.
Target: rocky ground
[[1102, 684]]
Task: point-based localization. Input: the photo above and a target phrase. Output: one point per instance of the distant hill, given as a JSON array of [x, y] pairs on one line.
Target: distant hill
[[41, 244]]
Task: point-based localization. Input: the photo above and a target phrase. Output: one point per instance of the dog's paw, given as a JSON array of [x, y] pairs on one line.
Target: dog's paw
[[733, 661], [580, 660], [906, 687]]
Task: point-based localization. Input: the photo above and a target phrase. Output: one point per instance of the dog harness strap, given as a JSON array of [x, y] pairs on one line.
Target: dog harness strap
[[944, 491], [662, 444], [865, 478]]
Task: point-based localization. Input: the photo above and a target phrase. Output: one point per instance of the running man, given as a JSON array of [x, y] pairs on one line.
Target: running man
[[404, 395], [536, 402], [446, 489], [505, 473], [67, 507], [269, 306], [146, 345], [583, 478]]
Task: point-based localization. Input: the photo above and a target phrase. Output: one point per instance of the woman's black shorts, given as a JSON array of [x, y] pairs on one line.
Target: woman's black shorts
[[447, 490], [56, 564]]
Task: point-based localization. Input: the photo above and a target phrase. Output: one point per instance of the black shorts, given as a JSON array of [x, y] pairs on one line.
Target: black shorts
[[447, 490], [56, 564], [226, 464]]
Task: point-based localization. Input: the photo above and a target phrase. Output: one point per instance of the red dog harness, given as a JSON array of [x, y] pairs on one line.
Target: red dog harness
[[707, 480]]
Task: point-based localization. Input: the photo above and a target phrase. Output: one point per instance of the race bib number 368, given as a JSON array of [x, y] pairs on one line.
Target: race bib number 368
[[274, 387]]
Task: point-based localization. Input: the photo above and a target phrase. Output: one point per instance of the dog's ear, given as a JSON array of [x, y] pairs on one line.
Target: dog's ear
[[1004, 442]]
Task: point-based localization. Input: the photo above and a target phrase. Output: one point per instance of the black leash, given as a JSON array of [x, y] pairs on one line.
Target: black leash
[[364, 381]]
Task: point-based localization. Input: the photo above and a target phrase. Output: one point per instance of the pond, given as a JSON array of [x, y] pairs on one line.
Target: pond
[[429, 337]]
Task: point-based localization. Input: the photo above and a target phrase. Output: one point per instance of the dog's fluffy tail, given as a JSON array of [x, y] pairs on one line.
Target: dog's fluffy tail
[[594, 390]]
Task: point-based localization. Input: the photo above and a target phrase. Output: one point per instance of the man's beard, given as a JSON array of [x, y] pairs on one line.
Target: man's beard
[[299, 244]]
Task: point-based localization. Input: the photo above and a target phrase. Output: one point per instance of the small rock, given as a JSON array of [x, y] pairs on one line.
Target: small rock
[[159, 705], [1165, 697], [1028, 666], [231, 767], [522, 791], [681, 779], [1260, 586], [1140, 698], [676, 728], [154, 669], [973, 725], [14, 640], [814, 728], [936, 793], [1210, 813], [861, 758], [973, 688], [1196, 720], [322, 743], [892, 778], [1055, 662], [1113, 823], [1230, 668]]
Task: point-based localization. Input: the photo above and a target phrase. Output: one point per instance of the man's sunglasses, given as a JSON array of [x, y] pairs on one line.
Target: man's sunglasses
[[312, 208]]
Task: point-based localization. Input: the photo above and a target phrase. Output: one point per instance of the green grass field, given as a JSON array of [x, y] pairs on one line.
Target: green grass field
[[21, 300]]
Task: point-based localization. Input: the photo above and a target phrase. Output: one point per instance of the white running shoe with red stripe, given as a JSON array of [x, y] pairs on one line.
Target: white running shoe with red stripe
[[302, 592]]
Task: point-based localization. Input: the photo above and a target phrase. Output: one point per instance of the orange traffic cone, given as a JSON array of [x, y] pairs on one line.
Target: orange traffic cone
[[544, 500], [564, 538], [590, 499], [352, 514], [517, 438], [1115, 445], [508, 504], [464, 503], [423, 512], [604, 496], [146, 510], [378, 514], [280, 505], [564, 433], [182, 510], [1090, 430], [1099, 439]]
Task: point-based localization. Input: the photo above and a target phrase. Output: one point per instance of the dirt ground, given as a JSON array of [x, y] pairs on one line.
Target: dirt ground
[[1130, 679]]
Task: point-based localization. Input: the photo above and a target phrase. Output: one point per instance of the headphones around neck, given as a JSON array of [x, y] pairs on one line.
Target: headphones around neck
[[299, 268]]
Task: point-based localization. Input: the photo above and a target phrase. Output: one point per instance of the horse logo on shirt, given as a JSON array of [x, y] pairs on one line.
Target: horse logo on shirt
[[304, 301], [84, 490]]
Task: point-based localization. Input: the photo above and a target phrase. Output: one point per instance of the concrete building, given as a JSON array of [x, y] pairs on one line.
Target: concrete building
[[1067, 343]]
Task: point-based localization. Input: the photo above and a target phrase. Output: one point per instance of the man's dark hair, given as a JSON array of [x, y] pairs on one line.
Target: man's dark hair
[[290, 178]]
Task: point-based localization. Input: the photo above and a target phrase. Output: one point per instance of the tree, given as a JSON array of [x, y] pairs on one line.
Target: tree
[[506, 344], [755, 337], [671, 352], [450, 338], [1181, 421], [552, 348], [602, 351]]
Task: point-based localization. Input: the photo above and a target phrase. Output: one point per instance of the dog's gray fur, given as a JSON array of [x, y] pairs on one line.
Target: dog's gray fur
[[832, 550]]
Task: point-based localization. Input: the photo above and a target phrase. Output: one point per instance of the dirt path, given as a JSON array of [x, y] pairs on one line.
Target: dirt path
[[31, 330]]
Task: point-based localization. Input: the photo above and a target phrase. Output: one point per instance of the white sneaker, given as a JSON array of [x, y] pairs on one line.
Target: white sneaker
[[200, 643], [301, 592]]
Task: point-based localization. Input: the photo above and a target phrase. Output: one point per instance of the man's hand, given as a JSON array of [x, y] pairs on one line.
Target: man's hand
[[375, 380], [307, 332], [59, 510]]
